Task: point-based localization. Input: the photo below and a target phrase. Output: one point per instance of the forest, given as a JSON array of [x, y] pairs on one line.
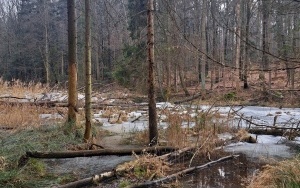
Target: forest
[[149, 93], [238, 38]]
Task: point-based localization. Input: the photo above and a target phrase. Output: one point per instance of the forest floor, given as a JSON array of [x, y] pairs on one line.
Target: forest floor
[[120, 119]]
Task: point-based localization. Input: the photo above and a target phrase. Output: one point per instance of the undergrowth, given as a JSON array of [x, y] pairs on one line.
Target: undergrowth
[[283, 174], [33, 174]]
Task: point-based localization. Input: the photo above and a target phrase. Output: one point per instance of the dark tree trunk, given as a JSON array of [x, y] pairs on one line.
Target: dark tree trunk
[[88, 76], [72, 84], [153, 132]]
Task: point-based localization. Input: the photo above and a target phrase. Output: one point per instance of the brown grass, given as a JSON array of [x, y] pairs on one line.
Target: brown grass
[[19, 116], [3, 163], [175, 134], [17, 88], [284, 174], [144, 167]]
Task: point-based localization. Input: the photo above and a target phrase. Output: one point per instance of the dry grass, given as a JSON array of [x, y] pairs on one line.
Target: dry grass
[[285, 174], [17, 88], [175, 134], [2, 163], [19, 116], [144, 167], [15, 116]]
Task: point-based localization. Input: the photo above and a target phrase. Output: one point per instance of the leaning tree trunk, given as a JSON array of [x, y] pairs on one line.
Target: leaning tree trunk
[[153, 132], [72, 91], [88, 79]]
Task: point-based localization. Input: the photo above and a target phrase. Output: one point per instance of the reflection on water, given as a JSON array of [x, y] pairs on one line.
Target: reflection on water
[[232, 173]]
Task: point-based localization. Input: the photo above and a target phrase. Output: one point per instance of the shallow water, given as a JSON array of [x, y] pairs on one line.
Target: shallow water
[[232, 173], [83, 167]]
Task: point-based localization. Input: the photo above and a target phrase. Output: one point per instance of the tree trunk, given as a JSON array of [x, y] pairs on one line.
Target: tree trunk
[[88, 73], [238, 45], [153, 132], [72, 69], [246, 64], [203, 46], [265, 42], [46, 61]]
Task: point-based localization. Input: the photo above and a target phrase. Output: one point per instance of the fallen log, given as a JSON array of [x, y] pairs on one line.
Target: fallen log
[[16, 103], [89, 153], [275, 131], [188, 99], [177, 155], [181, 173], [96, 179]]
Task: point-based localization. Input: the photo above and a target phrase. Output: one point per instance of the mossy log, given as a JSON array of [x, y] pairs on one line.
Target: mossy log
[[89, 153]]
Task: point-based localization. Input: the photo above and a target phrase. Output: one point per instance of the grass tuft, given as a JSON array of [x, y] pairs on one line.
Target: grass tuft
[[13, 146], [284, 174]]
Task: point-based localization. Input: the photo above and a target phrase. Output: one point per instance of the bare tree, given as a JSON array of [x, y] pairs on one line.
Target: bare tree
[[153, 132], [88, 71], [238, 44], [72, 69], [203, 45]]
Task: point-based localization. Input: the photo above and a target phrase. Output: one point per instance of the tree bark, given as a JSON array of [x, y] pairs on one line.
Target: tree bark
[[46, 61], [203, 47], [265, 43], [72, 68], [153, 132], [238, 45], [88, 76]]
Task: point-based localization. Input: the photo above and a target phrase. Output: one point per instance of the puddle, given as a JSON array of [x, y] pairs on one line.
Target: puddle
[[232, 173]]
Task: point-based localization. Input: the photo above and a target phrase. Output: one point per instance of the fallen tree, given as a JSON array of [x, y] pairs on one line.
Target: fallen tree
[[89, 153]]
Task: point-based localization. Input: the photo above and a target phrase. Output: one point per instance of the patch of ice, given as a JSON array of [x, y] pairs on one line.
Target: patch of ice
[[63, 98], [80, 96], [221, 172], [94, 99], [134, 114], [97, 115], [269, 139], [162, 117], [125, 127], [50, 116], [192, 115], [164, 105], [225, 136]]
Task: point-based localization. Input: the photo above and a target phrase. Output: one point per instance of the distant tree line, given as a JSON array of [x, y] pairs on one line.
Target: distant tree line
[[193, 39]]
